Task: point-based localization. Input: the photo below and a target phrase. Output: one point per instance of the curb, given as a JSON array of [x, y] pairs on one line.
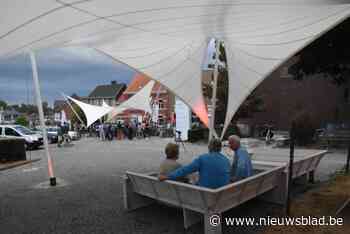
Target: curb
[[17, 164]]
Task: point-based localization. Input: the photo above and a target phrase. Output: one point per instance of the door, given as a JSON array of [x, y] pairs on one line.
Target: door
[[11, 133]]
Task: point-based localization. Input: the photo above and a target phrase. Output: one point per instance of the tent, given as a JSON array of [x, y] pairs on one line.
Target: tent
[[139, 101], [167, 39]]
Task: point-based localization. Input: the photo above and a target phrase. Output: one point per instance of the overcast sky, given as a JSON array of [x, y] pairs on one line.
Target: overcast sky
[[68, 70]]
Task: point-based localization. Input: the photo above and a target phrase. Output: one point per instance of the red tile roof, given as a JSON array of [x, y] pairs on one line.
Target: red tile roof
[[139, 81]]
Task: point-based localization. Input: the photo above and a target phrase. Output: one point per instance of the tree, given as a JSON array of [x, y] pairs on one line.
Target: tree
[[328, 55], [252, 104], [21, 120], [3, 104]]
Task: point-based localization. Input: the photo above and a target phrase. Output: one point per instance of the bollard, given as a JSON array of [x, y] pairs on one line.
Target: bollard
[[291, 162]]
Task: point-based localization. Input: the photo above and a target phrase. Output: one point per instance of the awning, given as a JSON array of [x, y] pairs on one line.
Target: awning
[[167, 40]]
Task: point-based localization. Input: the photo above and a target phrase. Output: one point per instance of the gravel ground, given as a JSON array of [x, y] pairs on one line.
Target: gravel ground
[[89, 198]]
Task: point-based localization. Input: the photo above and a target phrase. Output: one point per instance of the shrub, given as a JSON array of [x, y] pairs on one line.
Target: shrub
[[21, 120], [304, 129]]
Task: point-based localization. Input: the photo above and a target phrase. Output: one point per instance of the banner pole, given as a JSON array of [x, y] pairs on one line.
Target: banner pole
[[212, 131], [41, 117]]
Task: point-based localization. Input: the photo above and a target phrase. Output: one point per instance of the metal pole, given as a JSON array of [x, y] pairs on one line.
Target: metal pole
[[214, 94], [291, 162], [41, 117], [348, 161]]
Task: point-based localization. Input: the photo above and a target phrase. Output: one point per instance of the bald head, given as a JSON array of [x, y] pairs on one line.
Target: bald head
[[234, 142]]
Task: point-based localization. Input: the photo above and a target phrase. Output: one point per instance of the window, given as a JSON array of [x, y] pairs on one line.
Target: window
[[0, 131], [161, 120], [161, 104], [10, 132]]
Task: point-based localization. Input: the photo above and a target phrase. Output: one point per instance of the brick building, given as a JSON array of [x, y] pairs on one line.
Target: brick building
[[284, 97], [162, 100]]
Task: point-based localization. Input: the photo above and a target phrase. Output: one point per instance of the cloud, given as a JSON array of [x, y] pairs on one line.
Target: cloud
[[68, 70]]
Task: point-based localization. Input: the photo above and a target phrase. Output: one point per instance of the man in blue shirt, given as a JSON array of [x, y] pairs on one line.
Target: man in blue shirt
[[242, 165], [213, 167]]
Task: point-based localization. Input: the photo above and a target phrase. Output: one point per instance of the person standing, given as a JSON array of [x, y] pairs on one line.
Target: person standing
[[242, 164], [59, 135], [102, 132]]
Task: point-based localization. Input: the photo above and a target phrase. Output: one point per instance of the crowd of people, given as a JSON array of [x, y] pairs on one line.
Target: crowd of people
[[120, 131], [214, 168]]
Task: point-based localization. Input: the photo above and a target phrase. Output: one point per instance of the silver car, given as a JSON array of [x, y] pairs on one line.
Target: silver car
[[33, 140]]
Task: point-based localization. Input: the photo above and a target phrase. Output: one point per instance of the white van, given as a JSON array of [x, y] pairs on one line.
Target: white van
[[33, 140]]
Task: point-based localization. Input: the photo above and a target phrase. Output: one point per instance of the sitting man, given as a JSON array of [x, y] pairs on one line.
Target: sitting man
[[242, 165], [213, 168]]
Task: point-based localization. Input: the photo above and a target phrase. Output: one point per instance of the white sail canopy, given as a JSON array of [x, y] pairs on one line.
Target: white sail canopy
[[140, 101], [104, 104], [167, 39], [91, 112]]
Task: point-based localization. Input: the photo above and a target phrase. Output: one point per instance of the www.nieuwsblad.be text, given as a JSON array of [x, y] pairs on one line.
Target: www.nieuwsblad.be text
[[215, 220]]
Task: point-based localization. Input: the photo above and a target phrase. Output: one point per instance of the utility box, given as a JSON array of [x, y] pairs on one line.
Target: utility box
[[12, 149]]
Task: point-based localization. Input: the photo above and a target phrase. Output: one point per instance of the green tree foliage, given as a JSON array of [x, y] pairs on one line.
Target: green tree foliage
[[328, 55], [21, 120], [304, 128], [252, 104], [3, 104], [30, 109]]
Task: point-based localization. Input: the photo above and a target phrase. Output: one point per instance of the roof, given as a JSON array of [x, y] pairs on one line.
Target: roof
[[59, 104], [107, 91], [139, 81]]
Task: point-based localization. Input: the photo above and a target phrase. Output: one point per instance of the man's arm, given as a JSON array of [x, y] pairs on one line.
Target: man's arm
[[182, 171]]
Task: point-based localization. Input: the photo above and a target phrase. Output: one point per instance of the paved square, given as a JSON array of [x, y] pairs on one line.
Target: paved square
[[89, 198]]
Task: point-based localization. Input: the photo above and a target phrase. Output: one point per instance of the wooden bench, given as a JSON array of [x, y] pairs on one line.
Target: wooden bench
[[268, 184], [335, 138], [198, 202], [303, 169]]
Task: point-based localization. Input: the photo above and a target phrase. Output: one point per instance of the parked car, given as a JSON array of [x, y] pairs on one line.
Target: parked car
[[73, 135], [33, 140], [52, 133]]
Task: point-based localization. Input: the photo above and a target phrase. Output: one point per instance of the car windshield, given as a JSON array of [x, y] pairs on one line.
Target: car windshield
[[24, 130], [52, 129]]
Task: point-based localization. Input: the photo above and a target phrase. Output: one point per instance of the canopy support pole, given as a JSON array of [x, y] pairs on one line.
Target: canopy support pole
[[41, 118], [212, 132]]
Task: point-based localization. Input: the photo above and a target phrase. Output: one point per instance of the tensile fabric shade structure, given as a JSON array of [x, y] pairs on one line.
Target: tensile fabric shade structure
[[167, 39], [140, 101], [91, 112]]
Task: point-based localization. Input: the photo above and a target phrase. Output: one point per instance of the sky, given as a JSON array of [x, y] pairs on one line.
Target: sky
[[67, 70]]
